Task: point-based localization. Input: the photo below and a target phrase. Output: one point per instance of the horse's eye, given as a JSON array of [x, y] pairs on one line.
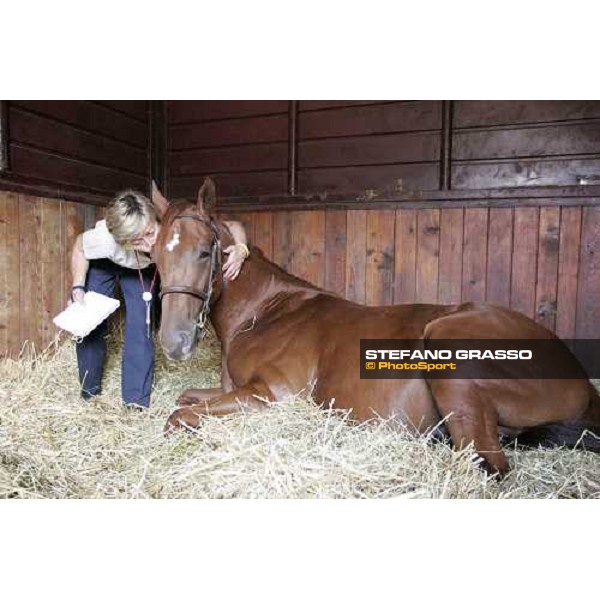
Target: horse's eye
[[203, 254]]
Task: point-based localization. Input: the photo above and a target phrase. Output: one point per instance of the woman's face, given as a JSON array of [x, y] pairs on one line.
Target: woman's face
[[146, 240]]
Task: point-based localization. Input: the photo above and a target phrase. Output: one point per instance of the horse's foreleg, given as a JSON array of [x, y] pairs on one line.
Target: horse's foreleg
[[226, 381], [198, 395], [470, 418], [252, 397]]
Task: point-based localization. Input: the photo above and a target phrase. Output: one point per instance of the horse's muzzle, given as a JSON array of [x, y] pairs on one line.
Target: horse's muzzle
[[177, 345]]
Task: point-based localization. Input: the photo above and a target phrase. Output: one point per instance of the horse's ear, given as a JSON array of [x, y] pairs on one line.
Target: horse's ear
[[161, 204], [207, 197]]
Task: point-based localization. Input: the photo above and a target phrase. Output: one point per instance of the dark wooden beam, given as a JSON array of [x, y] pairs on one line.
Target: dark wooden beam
[[582, 195], [37, 187], [446, 146], [391, 204], [4, 162], [293, 147], [157, 140]]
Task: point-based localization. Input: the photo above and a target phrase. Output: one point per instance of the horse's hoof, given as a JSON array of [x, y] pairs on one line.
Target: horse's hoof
[[185, 400], [499, 470], [172, 426]]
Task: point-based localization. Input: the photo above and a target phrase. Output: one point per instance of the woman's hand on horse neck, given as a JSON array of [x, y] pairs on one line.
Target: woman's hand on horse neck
[[236, 256], [79, 263]]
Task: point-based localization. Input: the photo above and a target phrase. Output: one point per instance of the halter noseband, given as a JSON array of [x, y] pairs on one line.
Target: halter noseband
[[205, 296]]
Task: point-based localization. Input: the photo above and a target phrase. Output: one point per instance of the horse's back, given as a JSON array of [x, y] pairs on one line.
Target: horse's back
[[315, 340]]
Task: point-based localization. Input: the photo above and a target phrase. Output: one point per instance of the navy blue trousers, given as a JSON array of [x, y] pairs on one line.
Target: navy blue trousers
[[138, 351]]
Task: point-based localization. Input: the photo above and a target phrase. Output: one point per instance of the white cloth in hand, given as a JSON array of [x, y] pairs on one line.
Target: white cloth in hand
[[80, 319]]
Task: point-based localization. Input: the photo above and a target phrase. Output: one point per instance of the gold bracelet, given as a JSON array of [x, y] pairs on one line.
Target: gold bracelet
[[245, 249]]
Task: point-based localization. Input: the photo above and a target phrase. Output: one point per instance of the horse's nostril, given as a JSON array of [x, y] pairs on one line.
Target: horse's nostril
[[177, 344], [186, 341]]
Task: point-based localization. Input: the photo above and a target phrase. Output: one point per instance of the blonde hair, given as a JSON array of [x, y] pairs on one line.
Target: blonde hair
[[128, 215]]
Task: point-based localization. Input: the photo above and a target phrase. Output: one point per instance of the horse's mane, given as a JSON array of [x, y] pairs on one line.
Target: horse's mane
[[291, 282]]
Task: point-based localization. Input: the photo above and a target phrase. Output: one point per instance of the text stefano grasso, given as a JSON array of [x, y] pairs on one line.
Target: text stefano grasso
[[498, 354]]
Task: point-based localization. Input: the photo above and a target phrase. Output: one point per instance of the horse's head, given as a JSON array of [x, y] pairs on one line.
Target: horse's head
[[188, 257]]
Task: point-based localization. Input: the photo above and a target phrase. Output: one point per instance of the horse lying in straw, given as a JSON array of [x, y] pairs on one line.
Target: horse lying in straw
[[280, 333]]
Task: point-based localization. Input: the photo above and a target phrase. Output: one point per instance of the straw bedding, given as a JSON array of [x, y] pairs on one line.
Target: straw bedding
[[55, 445]]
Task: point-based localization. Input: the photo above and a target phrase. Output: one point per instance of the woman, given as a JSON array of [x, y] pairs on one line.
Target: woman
[[118, 248]]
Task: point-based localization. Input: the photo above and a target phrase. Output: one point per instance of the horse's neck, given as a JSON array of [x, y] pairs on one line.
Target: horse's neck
[[245, 298]]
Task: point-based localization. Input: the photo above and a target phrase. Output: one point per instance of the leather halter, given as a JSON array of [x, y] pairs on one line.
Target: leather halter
[[205, 296]]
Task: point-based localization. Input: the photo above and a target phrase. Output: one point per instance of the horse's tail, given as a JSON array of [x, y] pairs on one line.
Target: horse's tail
[[583, 434]]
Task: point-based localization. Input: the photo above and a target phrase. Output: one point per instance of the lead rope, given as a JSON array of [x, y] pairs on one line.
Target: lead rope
[[146, 295]]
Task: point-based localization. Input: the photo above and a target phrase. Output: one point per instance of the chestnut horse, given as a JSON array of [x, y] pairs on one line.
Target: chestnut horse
[[280, 335]]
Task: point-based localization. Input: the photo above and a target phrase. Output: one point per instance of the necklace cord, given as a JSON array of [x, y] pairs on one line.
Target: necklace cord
[[139, 270]]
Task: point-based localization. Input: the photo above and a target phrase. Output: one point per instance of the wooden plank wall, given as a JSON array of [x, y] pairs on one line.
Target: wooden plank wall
[[522, 143], [339, 145], [541, 261], [99, 147], [36, 237], [332, 146], [254, 148], [242, 144], [358, 145]]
